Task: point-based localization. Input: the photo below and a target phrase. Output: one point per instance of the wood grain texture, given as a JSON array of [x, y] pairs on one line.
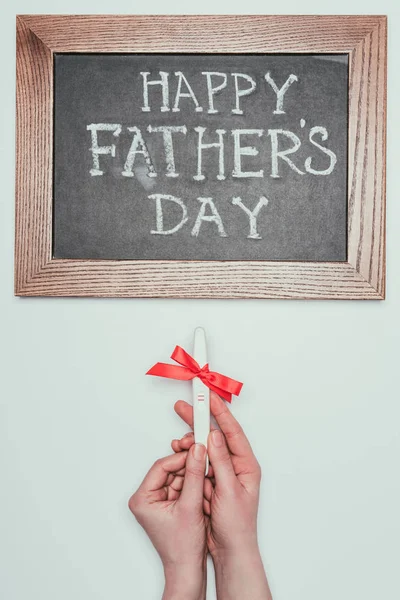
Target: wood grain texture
[[200, 33], [192, 279], [367, 157], [34, 133], [362, 277]]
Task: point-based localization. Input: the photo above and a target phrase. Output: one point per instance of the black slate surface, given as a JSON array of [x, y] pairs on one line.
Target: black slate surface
[[111, 216]]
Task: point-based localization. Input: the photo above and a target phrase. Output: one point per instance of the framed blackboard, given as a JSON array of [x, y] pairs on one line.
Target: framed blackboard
[[155, 162]]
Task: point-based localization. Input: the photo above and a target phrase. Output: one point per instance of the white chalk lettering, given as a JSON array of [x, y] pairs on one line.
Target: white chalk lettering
[[280, 92], [95, 149], [213, 90], [160, 217], [253, 235], [240, 151], [240, 92], [163, 81], [275, 153], [167, 131], [201, 146], [188, 94], [332, 155], [213, 218], [138, 146]]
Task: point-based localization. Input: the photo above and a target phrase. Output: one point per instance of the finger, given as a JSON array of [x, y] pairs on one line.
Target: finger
[[173, 494], [221, 461], [177, 484], [206, 507], [184, 411], [175, 446], [208, 489], [192, 491], [174, 488], [159, 495], [181, 472], [237, 441], [210, 472], [158, 474], [186, 442]]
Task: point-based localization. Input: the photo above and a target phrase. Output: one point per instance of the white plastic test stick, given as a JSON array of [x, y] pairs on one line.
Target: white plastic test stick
[[201, 393]]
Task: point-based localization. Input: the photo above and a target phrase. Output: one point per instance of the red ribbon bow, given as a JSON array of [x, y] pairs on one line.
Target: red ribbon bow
[[224, 386]]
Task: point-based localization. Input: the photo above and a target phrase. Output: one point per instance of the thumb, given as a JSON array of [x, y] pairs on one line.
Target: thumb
[[220, 459], [192, 491]]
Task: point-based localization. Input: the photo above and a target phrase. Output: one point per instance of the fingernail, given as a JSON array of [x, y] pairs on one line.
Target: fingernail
[[217, 438], [199, 451]]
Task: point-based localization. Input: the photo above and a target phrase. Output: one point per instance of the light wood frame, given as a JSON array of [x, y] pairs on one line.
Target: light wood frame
[[364, 38]]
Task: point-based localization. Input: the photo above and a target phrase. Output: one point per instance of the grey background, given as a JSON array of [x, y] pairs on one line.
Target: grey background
[[110, 216], [80, 424]]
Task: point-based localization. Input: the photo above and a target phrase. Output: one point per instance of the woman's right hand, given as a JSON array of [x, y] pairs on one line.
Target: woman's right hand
[[231, 500]]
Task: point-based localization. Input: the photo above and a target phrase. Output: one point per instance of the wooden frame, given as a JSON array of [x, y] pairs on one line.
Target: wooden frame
[[364, 38]]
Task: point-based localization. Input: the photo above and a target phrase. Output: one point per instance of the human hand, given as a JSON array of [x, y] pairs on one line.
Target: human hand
[[231, 501], [169, 507]]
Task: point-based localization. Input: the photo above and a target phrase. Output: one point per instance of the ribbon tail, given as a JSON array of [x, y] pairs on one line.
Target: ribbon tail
[[226, 385], [223, 393], [171, 372]]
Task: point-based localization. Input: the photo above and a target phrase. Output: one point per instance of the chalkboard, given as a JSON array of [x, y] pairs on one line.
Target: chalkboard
[[200, 157]]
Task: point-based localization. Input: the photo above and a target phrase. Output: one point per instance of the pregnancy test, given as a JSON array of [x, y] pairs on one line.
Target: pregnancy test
[[201, 393]]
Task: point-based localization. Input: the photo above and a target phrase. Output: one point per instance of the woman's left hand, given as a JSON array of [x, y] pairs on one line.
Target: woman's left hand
[[169, 507]]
